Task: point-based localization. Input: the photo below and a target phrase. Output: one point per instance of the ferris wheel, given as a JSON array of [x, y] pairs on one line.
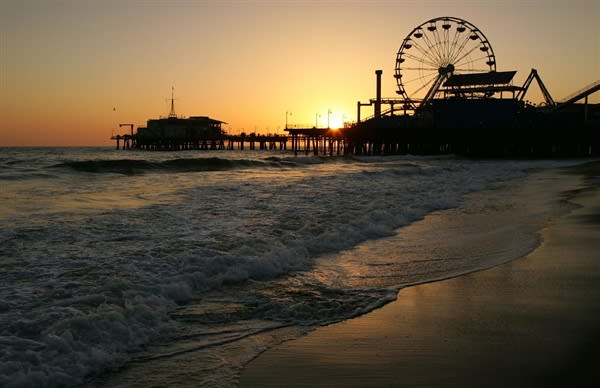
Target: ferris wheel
[[434, 51]]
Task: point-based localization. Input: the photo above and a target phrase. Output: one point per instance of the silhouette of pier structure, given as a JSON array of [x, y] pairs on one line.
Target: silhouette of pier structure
[[450, 101], [222, 142], [316, 141], [503, 125]]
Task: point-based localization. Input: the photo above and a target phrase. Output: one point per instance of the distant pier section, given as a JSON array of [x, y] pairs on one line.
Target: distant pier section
[[195, 133]]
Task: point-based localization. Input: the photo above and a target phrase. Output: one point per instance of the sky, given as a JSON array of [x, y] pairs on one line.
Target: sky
[[72, 70]]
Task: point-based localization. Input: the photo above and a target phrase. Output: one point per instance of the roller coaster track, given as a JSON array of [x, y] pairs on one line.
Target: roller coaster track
[[578, 95]]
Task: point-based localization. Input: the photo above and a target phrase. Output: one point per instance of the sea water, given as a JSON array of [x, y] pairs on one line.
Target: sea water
[[177, 268]]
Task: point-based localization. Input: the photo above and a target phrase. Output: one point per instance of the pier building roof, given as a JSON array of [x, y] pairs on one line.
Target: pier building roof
[[485, 84], [489, 78], [204, 119]]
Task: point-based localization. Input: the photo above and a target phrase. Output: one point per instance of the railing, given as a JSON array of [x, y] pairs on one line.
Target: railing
[[389, 111], [383, 113], [300, 126]]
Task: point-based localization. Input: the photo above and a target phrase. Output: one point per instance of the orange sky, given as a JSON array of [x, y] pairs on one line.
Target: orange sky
[[73, 70]]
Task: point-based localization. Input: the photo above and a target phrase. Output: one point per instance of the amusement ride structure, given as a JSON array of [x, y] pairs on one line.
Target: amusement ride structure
[[435, 51], [448, 57], [452, 98]]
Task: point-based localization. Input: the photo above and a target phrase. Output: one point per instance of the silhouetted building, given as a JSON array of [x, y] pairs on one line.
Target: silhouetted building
[[178, 133]]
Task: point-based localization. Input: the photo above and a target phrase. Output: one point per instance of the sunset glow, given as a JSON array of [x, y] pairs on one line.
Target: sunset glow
[[73, 70], [336, 122]]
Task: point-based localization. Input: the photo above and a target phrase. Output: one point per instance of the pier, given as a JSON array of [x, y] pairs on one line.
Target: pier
[[441, 108], [563, 131], [472, 127]]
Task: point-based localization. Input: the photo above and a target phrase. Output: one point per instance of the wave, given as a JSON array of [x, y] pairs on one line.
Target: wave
[[134, 166], [16, 176]]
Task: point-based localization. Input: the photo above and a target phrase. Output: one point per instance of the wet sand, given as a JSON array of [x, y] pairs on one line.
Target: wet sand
[[531, 322]]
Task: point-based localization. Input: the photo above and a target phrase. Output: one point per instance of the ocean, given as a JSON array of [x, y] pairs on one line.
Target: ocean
[[137, 268]]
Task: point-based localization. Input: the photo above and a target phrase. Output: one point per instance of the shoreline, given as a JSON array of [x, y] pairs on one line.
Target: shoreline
[[533, 321]]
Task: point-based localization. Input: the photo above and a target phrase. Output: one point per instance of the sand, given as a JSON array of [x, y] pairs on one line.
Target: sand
[[532, 322]]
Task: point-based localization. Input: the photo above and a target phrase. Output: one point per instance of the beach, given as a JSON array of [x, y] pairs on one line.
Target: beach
[[531, 322]]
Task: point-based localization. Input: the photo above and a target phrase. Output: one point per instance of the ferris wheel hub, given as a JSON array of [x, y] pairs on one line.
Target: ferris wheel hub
[[446, 69]]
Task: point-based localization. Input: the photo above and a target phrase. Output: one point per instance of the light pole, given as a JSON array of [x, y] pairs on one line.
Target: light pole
[[317, 120], [328, 114], [286, 118]]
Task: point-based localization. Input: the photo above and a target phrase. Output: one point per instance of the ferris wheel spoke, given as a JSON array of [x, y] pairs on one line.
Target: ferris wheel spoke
[[435, 49], [422, 60], [420, 64], [454, 40], [414, 45], [448, 43], [425, 85], [466, 54], [435, 69], [418, 83], [479, 61], [439, 44], [420, 78], [432, 49], [465, 70], [424, 53], [428, 53], [455, 48], [444, 40], [443, 44], [482, 59], [460, 49]]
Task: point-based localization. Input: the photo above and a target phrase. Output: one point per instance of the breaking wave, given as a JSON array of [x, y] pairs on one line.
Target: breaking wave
[[134, 166]]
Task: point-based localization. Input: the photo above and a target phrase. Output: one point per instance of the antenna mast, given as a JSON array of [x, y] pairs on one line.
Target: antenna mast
[[172, 114]]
